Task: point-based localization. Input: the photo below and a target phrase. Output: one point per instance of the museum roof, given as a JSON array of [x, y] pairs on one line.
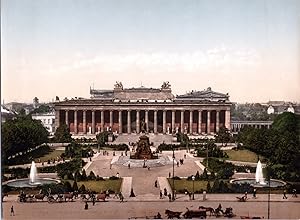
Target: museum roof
[[205, 95]]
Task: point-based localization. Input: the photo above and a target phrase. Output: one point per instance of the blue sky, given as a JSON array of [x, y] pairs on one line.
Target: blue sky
[[249, 49]]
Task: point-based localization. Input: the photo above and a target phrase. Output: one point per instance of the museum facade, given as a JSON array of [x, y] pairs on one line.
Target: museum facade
[[145, 110]]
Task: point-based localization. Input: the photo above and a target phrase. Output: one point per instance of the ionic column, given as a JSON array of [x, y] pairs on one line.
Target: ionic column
[[191, 122], [120, 122], [155, 122], [57, 119], [137, 121], [208, 122], [217, 121], [102, 121], [93, 122], [75, 122], [199, 121], [147, 121], [111, 119], [67, 117], [84, 121], [227, 119], [164, 122], [181, 121], [173, 121], [128, 122]]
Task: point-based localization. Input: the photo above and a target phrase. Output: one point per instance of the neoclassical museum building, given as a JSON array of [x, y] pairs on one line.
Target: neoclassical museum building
[[147, 110]]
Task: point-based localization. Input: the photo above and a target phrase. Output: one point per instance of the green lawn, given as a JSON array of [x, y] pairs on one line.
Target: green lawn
[[181, 185], [100, 186], [53, 154], [242, 155]]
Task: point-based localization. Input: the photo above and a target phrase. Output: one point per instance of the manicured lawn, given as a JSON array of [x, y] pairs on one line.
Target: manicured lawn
[[181, 185], [242, 155], [100, 186], [53, 154]]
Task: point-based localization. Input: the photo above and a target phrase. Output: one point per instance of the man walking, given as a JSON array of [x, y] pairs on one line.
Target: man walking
[[284, 194], [12, 212]]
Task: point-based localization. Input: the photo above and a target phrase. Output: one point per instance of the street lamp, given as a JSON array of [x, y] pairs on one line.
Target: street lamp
[[173, 196], [193, 178]]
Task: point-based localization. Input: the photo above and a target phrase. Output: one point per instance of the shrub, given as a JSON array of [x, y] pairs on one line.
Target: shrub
[[82, 189], [113, 178]]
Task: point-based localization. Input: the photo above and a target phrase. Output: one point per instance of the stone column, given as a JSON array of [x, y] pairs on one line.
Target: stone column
[[173, 121], [84, 121], [181, 121], [147, 121], [128, 122], [120, 122], [227, 119], [67, 117], [75, 122], [137, 121], [191, 122], [111, 119], [57, 119], [102, 121], [93, 122], [164, 122], [155, 122], [208, 122], [199, 121], [217, 121]]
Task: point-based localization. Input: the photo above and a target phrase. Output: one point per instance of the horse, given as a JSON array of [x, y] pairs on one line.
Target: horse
[[40, 196], [208, 209], [68, 196], [172, 214], [101, 196], [3, 195]]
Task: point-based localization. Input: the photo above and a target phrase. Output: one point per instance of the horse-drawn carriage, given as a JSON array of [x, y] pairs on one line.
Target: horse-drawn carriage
[[195, 214]]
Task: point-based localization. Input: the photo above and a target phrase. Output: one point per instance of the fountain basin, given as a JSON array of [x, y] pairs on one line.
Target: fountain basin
[[252, 181], [19, 183]]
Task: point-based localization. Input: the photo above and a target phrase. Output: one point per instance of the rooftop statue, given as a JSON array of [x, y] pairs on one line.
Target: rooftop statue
[[166, 85], [118, 85]]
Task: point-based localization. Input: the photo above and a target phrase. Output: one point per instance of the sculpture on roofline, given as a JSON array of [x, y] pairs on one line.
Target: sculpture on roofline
[[166, 85], [118, 85]]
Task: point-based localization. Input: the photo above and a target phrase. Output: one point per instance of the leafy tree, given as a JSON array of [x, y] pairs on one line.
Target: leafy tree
[[62, 134], [92, 176], [223, 136], [208, 187], [82, 189], [83, 175], [68, 187], [75, 187], [102, 138], [41, 109], [21, 134]]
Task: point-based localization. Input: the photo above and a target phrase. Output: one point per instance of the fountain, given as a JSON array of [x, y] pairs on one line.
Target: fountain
[[259, 180], [33, 179]]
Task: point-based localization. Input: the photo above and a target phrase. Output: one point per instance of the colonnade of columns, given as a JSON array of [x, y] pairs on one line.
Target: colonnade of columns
[[208, 121]]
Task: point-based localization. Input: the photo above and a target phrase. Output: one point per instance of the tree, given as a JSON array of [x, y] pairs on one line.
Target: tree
[[22, 134], [83, 175], [223, 136], [62, 134], [75, 187], [102, 138]]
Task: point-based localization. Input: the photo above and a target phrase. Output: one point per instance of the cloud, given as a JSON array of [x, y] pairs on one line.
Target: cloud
[[218, 57]]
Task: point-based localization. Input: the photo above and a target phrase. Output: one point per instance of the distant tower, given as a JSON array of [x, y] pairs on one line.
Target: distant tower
[[35, 102]]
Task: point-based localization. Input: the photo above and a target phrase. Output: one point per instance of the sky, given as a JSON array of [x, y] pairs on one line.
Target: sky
[[249, 49]]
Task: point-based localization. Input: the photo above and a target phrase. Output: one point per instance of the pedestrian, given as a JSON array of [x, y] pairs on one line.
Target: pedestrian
[[169, 174], [148, 168], [177, 163], [121, 197], [204, 195], [246, 193], [86, 206], [128, 165], [184, 156], [12, 212], [170, 198], [190, 195], [165, 192], [110, 166], [160, 194], [94, 200], [118, 175], [284, 194], [155, 183], [254, 193], [295, 193]]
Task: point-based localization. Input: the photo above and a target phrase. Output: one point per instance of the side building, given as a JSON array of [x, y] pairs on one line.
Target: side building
[[149, 110], [47, 119]]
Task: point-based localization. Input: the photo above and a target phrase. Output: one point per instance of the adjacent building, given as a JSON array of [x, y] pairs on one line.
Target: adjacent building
[[150, 110], [47, 119]]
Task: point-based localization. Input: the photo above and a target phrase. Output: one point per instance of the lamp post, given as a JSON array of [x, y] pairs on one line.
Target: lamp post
[[173, 196], [193, 178]]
